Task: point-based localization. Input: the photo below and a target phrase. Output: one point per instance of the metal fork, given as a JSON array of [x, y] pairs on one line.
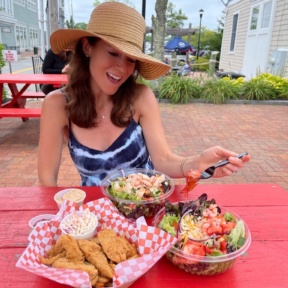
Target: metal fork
[[208, 173]]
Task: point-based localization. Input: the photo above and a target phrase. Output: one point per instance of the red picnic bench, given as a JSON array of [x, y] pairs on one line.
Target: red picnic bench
[[33, 94], [21, 112], [16, 107]]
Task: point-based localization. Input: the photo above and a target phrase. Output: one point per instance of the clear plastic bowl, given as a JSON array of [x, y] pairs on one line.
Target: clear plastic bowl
[[59, 196], [84, 236], [135, 209], [204, 265]]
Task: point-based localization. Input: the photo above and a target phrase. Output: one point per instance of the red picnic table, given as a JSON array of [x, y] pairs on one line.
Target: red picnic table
[[16, 107], [262, 206]]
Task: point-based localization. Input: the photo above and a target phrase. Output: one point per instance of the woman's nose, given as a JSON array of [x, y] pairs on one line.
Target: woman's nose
[[121, 64]]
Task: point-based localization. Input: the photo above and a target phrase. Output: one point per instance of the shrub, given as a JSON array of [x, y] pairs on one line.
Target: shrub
[[179, 89], [279, 83], [219, 91], [2, 64], [201, 64], [257, 89]]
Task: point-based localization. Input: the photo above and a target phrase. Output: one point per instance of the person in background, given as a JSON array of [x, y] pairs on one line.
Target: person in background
[[54, 64], [109, 120], [166, 61], [185, 69]]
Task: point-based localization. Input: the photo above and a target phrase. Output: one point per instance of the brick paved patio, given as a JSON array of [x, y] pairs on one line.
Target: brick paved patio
[[261, 130]]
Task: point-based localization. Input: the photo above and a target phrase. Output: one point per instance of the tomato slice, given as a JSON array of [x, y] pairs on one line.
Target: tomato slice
[[195, 248], [227, 226]]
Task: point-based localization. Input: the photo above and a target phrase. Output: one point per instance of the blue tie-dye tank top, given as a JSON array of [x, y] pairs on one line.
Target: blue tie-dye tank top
[[128, 151]]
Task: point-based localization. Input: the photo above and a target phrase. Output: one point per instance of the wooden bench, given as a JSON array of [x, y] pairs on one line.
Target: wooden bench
[[33, 94], [20, 112]]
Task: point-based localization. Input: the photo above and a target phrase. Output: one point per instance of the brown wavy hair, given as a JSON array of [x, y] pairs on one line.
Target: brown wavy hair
[[81, 103]]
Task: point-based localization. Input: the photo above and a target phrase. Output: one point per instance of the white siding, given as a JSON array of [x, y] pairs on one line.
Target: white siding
[[279, 39], [233, 61]]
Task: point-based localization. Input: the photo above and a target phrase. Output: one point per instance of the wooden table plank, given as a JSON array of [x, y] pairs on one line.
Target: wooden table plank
[[259, 264], [39, 198], [262, 206]]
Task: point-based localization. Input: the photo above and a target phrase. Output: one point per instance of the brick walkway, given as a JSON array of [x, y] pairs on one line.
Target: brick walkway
[[261, 130]]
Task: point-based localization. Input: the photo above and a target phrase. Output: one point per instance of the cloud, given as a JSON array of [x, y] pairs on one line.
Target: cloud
[[212, 11]]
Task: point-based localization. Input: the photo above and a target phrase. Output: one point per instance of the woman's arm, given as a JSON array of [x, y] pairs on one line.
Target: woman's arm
[[52, 127], [162, 157]]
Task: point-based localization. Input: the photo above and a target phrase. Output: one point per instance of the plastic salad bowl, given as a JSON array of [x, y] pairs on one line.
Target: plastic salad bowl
[[221, 245], [137, 192]]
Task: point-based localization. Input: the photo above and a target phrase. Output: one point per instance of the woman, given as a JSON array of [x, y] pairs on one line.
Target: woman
[[108, 120]]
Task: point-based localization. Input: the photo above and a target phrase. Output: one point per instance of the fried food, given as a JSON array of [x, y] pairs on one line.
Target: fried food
[[116, 248], [79, 265], [68, 244], [51, 260], [93, 253], [97, 256]]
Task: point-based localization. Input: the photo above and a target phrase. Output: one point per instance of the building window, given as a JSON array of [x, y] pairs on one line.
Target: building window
[[266, 15], [6, 6], [32, 5], [21, 40], [254, 18], [20, 2], [234, 31]]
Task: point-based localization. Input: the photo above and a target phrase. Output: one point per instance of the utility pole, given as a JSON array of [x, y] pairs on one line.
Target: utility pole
[[42, 29], [53, 13]]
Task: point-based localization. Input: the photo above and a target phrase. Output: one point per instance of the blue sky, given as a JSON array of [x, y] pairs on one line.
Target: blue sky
[[212, 10]]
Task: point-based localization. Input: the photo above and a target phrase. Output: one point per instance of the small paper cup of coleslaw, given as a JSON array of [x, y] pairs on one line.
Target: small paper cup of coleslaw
[[72, 194], [80, 224], [137, 192]]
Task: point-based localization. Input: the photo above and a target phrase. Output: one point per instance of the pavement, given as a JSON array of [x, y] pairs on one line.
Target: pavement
[[261, 130]]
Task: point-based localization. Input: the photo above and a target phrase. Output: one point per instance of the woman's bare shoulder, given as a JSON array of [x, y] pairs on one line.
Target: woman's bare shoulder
[[145, 100], [55, 99], [54, 104]]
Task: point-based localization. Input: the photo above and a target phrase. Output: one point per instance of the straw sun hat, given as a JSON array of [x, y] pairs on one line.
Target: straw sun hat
[[120, 26]]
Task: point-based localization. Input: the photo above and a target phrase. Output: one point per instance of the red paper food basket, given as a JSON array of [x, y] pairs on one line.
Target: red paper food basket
[[152, 243]]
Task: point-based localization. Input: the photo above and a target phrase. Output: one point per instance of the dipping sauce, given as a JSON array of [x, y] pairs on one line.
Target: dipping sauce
[[74, 195]]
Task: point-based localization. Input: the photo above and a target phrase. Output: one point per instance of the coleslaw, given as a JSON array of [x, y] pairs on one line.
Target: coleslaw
[[79, 223]]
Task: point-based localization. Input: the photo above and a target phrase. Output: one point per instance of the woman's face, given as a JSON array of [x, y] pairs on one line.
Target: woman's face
[[109, 68]]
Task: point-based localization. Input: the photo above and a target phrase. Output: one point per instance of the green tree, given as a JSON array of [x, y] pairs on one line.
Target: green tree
[[174, 19], [216, 40], [81, 25], [70, 23]]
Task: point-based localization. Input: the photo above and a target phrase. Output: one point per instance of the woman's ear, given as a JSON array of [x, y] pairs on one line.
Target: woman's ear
[[86, 47]]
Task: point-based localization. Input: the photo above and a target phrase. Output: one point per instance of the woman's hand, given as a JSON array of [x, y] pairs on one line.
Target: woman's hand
[[215, 154]]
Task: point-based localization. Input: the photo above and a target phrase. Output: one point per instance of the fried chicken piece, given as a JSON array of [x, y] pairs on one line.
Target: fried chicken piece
[[79, 265], [131, 248], [93, 253], [116, 248], [95, 240], [51, 260], [68, 244]]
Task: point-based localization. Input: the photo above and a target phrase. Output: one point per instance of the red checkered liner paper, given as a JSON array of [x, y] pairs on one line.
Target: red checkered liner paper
[[152, 243]]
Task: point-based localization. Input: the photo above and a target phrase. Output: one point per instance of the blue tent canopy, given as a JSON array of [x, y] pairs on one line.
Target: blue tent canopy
[[178, 44]]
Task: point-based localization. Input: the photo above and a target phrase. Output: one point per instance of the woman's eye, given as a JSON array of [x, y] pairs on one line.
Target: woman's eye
[[112, 53], [131, 60]]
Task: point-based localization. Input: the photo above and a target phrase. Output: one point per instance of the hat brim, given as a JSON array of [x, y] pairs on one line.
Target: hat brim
[[149, 68]]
